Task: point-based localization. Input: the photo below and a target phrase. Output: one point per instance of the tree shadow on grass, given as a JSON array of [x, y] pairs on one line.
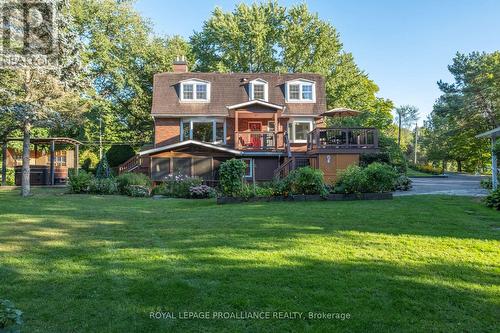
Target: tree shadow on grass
[[116, 295]]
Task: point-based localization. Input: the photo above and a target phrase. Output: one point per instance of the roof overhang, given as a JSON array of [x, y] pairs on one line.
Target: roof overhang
[[187, 143], [49, 140], [492, 134], [255, 102]]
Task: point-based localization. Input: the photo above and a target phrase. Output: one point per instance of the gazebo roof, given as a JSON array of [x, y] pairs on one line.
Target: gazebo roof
[[493, 133], [49, 140]]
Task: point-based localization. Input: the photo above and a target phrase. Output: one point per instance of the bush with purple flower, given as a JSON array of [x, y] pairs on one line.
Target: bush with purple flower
[[202, 192]]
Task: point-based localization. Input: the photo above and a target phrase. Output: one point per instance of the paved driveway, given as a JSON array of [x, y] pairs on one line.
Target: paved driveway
[[455, 184]]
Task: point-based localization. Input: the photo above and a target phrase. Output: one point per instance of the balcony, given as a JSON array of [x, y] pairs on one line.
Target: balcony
[[348, 140], [258, 140]]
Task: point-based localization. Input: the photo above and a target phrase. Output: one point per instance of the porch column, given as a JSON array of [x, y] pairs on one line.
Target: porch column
[[276, 129], [76, 157], [494, 168], [236, 128], [4, 163], [52, 158]]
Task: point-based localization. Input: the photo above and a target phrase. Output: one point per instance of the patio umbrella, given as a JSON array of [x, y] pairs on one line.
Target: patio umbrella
[[341, 112]]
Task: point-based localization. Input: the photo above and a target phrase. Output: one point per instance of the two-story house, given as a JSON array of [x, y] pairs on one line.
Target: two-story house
[[273, 121]]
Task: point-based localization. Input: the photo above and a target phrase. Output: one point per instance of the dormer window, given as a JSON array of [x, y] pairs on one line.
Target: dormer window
[[257, 89], [300, 91], [195, 90]]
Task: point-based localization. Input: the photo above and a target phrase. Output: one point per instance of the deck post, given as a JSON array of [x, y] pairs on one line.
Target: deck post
[[52, 158], [275, 130], [4, 163], [236, 130], [77, 158]]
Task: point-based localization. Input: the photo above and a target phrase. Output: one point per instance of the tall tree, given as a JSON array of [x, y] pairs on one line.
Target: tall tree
[[406, 115], [269, 37], [32, 95], [121, 55]]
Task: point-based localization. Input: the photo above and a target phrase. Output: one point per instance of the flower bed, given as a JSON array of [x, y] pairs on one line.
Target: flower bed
[[308, 197]]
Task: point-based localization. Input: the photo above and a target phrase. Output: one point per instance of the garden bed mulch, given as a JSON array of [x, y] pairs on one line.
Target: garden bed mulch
[[316, 197]]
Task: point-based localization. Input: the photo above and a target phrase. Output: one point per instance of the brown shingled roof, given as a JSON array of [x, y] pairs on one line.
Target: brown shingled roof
[[229, 89]]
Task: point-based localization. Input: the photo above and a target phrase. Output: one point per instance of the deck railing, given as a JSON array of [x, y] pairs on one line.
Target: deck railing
[[342, 138], [258, 140], [130, 165]]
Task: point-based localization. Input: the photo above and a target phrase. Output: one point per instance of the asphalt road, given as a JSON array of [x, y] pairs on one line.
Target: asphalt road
[[455, 184]]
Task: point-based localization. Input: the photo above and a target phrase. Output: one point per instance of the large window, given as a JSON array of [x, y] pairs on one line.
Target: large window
[[201, 91], [203, 129], [300, 91], [187, 91], [203, 132], [294, 91], [298, 130], [195, 90], [258, 89]]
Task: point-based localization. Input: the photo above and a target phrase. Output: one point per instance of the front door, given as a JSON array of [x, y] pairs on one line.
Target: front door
[[254, 137]]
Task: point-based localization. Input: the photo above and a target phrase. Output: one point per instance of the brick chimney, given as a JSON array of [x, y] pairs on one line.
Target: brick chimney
[[180, 65]]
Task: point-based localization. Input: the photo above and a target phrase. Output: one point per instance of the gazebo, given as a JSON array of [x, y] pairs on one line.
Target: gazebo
[[493, 134], [51, 142]]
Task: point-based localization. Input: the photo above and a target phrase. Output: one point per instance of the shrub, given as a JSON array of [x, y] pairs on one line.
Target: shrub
[[231, 177], [88, 160], [138, 191], [79, 183], [403, 183], [265, 191], [10, 179], [125, 180], [380, 178], [352, 180], [369, 158], [118, 154], [486, 183], [305, 180], [493, 199], [426, 169], [103, 170], [178, 186], [103, 186], [376, 177], [202, 192], [10, 317]]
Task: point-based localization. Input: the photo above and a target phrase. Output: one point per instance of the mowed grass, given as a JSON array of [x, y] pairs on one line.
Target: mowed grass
[[76, 263]]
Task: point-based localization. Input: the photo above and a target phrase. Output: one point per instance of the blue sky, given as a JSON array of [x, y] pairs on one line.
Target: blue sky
[[404, 45]]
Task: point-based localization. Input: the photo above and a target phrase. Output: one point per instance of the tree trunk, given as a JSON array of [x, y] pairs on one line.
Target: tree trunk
[[25, 181], [444, 166], [4, 162], [459, 166]]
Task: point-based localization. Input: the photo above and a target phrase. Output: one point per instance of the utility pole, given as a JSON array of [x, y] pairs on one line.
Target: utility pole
[[416, 142], [100, 137]]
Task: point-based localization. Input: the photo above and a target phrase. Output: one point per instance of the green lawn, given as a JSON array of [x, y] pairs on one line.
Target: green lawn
[[76, 263]]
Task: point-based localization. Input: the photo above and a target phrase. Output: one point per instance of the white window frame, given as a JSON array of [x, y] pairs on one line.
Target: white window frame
[[251, 90], [194, 82], [214, 122], [301, 83], [250, 167], [291, 134]]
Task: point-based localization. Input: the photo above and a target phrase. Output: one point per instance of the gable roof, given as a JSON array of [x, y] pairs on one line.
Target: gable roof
[[187, 143], [231, 89], [255, 102]]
